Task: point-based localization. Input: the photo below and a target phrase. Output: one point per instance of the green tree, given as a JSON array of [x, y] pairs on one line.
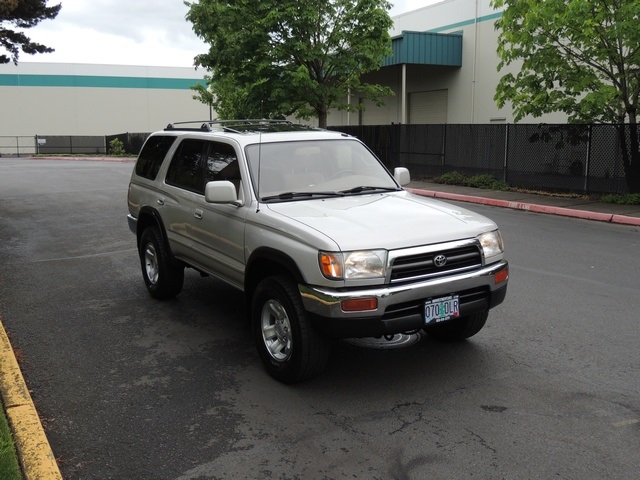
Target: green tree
[[275, 58], [580, 57], [22, 14]]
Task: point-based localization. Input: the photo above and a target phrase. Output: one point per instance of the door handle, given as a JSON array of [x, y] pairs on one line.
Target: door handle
[[197, 213], [160, 201]]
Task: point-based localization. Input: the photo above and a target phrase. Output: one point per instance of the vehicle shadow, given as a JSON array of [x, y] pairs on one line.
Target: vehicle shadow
[[425, 361]]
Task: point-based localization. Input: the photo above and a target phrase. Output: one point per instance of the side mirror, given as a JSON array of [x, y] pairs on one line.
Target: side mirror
[[221, 191], [402, 175]]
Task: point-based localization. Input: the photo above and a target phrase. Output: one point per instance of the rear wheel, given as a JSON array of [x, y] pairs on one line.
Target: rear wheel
[[162, 275], [289, 347], [459, 329]]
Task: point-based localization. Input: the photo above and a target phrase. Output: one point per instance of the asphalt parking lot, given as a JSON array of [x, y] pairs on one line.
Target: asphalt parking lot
[[129, 387]]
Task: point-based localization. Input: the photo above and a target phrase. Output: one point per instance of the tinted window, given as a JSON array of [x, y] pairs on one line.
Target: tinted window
[[152, 155], [220, 158], [185, 170]]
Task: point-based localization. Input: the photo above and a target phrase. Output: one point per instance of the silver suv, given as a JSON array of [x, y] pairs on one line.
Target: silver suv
[[322, 239]]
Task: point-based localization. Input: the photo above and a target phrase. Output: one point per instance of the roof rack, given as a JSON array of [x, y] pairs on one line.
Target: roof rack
[[209, 125]]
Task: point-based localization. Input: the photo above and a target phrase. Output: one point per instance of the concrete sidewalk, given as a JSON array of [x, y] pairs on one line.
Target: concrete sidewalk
[[579, 207]]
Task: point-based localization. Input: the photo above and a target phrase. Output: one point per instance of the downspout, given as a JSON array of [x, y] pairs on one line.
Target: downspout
[[403, 107], [475, 57]]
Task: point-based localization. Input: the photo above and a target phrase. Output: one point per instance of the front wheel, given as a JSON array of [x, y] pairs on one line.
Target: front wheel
[[289, 347], [162, 275], [459, 329]]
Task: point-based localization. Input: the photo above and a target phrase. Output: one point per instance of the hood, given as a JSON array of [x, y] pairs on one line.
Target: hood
[[387, 220]]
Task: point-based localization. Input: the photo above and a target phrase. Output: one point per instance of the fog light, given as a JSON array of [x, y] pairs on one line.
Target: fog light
[[359, 305]]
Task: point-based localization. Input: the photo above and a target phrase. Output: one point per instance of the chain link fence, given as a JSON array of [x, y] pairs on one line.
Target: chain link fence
[[582, 159], [132, 142], [70, 144], [16, 146], [565, 158]]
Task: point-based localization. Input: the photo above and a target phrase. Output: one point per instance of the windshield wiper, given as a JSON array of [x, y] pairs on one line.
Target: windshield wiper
[[366, 188], [292, 195]]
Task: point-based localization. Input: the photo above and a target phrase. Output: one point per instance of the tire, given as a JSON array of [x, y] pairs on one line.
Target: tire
[[460, 329], [289, 347], [162, 275]]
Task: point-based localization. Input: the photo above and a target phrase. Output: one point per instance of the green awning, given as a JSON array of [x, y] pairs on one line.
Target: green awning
[[426, 48]]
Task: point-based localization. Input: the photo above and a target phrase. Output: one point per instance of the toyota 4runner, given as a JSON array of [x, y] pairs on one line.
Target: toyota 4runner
[[322, 239]]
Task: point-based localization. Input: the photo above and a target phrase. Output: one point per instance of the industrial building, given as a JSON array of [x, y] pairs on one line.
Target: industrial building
[[443, 70], [81, 99]]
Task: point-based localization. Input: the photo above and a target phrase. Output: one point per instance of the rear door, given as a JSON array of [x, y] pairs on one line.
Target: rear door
[[183, 193]]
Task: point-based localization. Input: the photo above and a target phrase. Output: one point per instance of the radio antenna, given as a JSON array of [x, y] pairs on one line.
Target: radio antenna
[[259, 164]]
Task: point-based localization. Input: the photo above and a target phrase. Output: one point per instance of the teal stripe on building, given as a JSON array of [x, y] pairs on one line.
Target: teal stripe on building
[[485, 18], [12, 80]]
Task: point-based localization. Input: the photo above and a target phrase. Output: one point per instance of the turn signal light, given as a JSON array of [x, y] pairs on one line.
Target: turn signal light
[[501, 276], [331, 265], [359, 305]]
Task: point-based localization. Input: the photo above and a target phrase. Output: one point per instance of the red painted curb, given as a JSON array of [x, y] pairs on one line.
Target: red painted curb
[[623, 219], [88, 159], [532, 207]]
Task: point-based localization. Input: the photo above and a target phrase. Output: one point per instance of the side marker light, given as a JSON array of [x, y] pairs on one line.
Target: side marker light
[[501, 276], [359, 305]]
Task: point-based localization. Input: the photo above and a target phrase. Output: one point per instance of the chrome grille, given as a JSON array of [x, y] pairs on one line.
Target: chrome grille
[[423, 265]]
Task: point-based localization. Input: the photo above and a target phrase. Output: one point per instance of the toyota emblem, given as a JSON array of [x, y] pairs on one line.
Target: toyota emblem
[[440, 260]]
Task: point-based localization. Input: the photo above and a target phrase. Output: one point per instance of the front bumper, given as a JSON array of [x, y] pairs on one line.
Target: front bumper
[[133, 223], [401, 307]]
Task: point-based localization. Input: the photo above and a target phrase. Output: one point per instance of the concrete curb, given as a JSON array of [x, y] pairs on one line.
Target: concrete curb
[[531, 207], [34, 452]]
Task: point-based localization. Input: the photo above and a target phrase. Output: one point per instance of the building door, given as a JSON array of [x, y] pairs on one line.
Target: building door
[[428, 107]]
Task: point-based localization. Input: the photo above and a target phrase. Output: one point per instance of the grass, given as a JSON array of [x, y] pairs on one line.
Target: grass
[[9, 466]]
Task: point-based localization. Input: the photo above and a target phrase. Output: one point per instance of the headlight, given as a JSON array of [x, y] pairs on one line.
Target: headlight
[[353, 265], [491, 244]]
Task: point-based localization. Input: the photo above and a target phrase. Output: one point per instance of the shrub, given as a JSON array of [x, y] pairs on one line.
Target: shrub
[[452, 178], [486, 181], [628, 199], [116, 148]]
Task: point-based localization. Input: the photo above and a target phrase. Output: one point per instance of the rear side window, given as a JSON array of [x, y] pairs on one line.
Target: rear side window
[[152, 155], [185, 170]]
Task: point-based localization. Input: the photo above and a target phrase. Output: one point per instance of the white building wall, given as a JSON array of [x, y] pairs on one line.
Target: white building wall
[[95, 109], [471, 88]]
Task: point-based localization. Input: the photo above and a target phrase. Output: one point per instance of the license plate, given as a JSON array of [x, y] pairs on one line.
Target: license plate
[[441, 309]]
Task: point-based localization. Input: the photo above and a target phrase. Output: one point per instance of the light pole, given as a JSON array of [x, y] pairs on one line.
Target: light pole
[[210, 91]]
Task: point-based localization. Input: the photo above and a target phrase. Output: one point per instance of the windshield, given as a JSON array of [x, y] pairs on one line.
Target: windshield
[[308, 169]]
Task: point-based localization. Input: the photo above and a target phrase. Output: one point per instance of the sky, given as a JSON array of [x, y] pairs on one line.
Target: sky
[[126, 32]]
